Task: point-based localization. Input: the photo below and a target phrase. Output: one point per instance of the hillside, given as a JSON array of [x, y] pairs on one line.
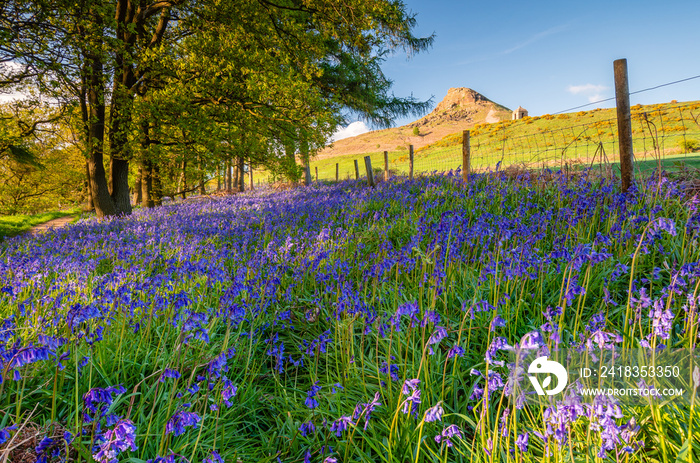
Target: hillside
[[582, 138], [462, 108]]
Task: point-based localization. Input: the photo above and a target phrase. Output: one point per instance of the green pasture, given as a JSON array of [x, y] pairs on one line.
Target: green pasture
[[588, 138]]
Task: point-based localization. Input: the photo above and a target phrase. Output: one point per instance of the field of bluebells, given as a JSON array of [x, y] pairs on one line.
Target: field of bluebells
[[339, 323]]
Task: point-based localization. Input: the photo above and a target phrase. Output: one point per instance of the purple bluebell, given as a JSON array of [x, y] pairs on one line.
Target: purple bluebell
[[98, 400], [448, 433], [307, 428], [213, 457], [181, 420], [523, 441], [434, 413], [5, 433], [340, 425], [119, 439], [497, 322], [311, 401]]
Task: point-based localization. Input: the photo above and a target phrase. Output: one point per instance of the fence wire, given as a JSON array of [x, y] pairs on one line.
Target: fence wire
[[660, 133]]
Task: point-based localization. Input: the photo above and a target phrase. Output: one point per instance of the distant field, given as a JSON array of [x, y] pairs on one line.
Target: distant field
[[669, 130]]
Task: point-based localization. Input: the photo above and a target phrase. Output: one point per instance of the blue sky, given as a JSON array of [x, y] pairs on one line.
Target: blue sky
[[551, 56]]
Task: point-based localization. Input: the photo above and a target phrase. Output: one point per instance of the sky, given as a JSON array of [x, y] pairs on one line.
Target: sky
[[549, 56]]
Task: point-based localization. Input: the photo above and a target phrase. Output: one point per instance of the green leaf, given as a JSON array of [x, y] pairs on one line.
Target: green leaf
[[22, 156], [683, 452]]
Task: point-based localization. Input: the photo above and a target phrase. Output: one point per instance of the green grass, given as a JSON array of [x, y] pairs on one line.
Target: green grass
[[585, 138], [11, 225], [453, 256]]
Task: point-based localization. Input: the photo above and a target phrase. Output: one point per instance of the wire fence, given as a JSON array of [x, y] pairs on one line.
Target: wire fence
[[668, 133]]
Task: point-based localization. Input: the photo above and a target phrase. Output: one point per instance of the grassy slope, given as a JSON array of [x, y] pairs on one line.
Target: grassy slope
[[11, 225], [574, 137]]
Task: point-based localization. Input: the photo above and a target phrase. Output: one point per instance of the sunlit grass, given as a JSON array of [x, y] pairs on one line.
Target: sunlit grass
[[285, 325], [11, 225]]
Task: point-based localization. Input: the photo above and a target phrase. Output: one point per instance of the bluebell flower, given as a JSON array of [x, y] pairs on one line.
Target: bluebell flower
[[47, 450], [410, 404], [115, 441], [522, 441], [497, 322], [169, 373], [228, 392], [455, 351], [335, 388], [166, 459], [213, 457], [98, 400], [409, 386], [438, 335], [434, 413], [5, 433], [307, 428], [311, 401], [340, 425], [447, 434], [181, 420]]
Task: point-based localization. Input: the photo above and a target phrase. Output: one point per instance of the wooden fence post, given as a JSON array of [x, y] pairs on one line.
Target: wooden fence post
[[386, 165], [337, 171], [624, 122], [368, 167], [357, 170], [316, 173], [466, 155], [410, 162]]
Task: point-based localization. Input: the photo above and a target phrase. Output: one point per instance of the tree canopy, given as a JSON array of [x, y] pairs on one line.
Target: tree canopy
[[162, 85]]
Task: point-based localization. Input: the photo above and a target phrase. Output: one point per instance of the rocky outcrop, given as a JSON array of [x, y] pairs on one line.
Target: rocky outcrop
[[462, 108]]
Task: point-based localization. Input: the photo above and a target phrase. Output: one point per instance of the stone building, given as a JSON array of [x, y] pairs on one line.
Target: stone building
[[519, 113]]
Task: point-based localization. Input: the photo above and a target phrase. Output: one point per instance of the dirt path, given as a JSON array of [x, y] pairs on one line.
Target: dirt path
[[55, 223]]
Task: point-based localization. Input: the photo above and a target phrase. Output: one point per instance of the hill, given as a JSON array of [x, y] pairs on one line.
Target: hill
[[461, 109], [582, 138]]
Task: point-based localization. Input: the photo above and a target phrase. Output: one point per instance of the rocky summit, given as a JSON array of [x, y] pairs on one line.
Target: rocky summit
[[462, 108]]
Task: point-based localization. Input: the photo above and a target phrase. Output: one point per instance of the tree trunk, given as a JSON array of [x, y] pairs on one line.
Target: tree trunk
[[90, 205], [120, 120], [137, 187], [120, 185], [293, 172], [241, 174], [157, 185], [228, 174], [200, 169], [218, 177], [145, 168], [96, 130], [146, 184], [183, 179]]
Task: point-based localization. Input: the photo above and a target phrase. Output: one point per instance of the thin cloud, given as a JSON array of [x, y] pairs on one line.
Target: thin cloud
[[494, 55], [591, 91], [535, 38]]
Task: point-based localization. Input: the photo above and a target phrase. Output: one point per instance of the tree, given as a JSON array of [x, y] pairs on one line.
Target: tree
[[41, 164], [283, 70]]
